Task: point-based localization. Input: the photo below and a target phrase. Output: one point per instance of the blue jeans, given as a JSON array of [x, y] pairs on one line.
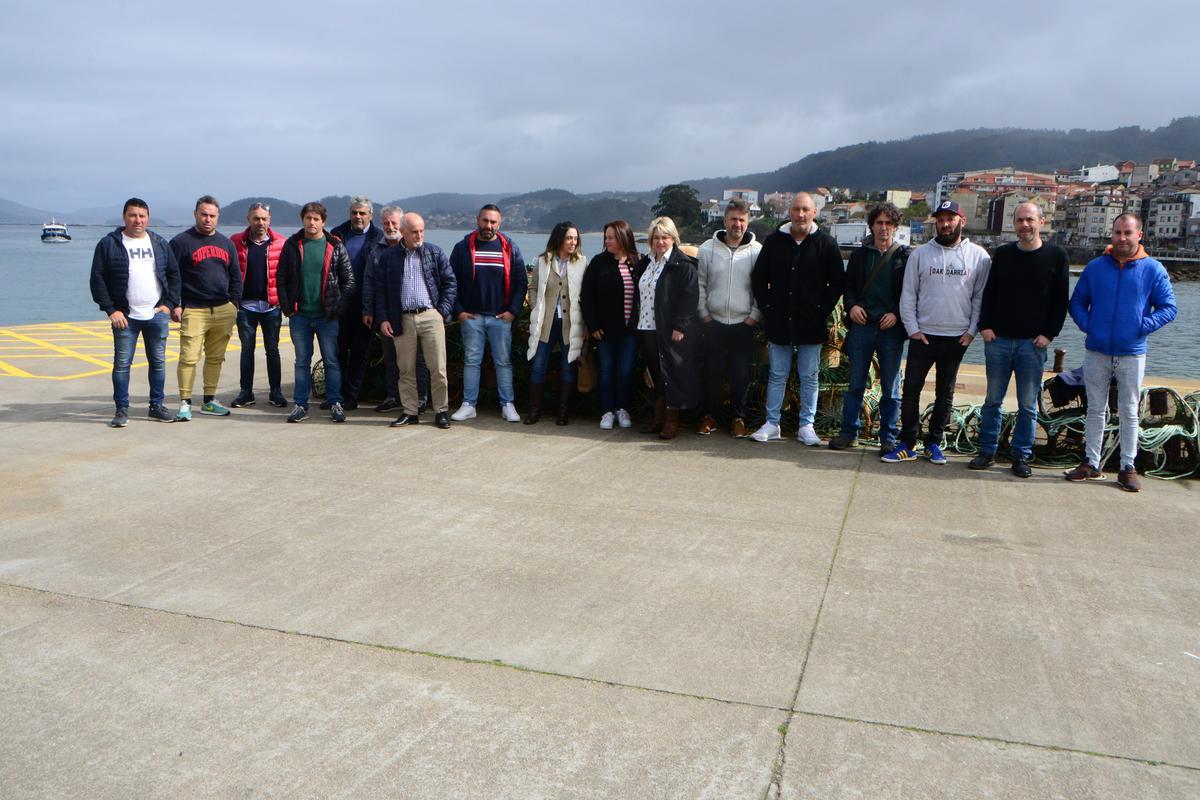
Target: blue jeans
[[498, 334], [247, 325], [863, 341], [541, 357], [808, 365], [1098, 372], [154, 341], [1003, 358], [303, 329], [615, 376]]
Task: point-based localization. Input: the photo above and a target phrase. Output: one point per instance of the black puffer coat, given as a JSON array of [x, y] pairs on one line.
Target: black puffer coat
[[338, 286]]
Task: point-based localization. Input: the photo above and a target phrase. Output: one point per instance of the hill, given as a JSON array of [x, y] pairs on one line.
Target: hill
[[920, 161]]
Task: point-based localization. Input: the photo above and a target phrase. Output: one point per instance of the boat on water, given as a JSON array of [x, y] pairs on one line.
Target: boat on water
[[54, 231]]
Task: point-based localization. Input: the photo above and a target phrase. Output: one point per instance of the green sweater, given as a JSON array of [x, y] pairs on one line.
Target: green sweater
[[312, 274]]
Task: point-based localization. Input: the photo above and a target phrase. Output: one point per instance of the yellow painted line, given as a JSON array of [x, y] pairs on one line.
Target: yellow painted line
[[12, 371], [56, 348]]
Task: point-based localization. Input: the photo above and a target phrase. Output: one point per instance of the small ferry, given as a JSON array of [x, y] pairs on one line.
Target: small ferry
[[54, 231]]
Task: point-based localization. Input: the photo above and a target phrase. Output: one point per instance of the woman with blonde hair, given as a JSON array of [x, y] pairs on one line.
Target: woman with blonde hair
[[555, 318], [667, 298]]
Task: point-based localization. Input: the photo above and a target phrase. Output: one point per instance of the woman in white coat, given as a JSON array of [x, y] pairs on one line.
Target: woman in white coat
[[555, 318]]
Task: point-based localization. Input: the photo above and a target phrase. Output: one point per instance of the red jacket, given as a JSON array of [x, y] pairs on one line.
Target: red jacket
[[274, 248]]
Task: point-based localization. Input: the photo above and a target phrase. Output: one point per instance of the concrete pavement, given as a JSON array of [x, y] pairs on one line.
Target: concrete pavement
[[239, 607]]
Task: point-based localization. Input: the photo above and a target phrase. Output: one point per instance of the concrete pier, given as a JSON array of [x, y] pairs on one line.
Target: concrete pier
[[238, 607]]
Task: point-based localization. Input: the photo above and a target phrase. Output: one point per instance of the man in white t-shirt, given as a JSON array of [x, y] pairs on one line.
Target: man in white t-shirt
[[135, 281]]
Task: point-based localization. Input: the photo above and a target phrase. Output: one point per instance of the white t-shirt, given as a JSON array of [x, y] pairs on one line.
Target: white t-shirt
[[144, 289]]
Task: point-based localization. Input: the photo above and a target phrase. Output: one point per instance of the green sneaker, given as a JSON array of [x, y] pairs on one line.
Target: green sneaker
[[214, 409], [184, 413]]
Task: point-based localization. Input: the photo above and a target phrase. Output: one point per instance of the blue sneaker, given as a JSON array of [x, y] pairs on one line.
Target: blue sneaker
[[901, 453], [214, 409], [184, 414], [934, 454]]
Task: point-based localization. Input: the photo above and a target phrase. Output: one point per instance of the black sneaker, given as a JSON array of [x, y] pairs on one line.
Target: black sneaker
[[350, 405], [1020, 467], [243, 400], [326, 405], [843, 442], [159, 412], [277, 399], [442, 419], [120, 419], [981, 461], [388, 404], [337, 413], [299, 413], [406, 419]]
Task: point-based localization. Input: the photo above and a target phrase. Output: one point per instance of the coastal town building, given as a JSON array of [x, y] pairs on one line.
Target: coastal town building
[[1002, 206]]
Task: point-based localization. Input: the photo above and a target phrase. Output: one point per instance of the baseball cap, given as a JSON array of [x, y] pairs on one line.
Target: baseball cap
[[950, 206]]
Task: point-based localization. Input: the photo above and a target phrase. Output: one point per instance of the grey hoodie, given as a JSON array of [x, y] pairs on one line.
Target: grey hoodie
[[724, 278], [943, 288]]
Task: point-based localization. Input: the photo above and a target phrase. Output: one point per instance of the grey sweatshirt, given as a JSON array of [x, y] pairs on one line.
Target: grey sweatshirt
[[943, 288], [724, 278]]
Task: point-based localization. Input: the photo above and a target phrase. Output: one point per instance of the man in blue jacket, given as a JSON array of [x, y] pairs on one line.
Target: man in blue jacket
[[1121, 298], [358, 235], [491, 281], [135, 281]]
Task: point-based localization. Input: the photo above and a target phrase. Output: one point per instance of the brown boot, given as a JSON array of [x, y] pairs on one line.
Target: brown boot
[[536, 391], [564, 402], [660, 410], [670, 424]]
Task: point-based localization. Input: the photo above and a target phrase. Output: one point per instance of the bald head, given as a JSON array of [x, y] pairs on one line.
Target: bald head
[[802, 213], [412, 230]]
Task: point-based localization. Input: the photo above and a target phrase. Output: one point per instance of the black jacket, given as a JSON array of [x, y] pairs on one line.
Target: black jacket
[[110, 273], [388, 276], [602, 298], [338, 284], [857, 273], [797, 285], [676, 297]]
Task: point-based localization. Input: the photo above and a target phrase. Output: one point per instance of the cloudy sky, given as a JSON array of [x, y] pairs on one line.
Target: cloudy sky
[[299, 100]]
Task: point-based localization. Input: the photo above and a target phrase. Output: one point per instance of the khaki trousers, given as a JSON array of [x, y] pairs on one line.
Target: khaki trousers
[[207, 330], [428, 329]]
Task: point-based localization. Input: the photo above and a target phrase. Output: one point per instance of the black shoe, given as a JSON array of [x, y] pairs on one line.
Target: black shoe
[[277, 399], [1020, 467], [243, 400], [350, 404], [159, 412], [388, 404], [983, 461], [406, 419], [843, 442], [442, 419], [326, 405], [337, 412], [298, 413], [120, 418]]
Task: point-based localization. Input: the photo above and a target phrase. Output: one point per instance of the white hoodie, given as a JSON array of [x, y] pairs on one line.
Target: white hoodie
[[943, 288]]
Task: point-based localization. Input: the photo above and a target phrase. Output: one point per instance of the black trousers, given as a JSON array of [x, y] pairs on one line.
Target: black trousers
[[354, 339], [945, 354], [730, 348]]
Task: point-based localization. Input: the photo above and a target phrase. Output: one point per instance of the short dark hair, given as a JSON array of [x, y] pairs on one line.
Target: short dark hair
[[135, 202], [207, 200], [489, 207], [1136, 219], [888, 210], [737, 204], [314, 208]]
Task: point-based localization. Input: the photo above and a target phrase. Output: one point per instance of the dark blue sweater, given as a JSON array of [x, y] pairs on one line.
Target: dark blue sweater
[[482, 291], [209, 268]]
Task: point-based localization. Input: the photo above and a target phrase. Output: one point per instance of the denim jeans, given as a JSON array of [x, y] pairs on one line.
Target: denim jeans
[[615, 374], [1098, 372], [946, 354], [541, 357], [730, 348], [808, 365], [862, 342], [154, 341], [1003, 358], [326, 330], [247, 324], [498, 334]]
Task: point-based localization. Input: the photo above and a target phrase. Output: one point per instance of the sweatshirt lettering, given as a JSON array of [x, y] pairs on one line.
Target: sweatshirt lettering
[[210, 251]]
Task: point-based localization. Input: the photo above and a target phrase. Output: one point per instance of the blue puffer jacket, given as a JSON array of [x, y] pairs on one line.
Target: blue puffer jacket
[[1119, 305], [110, 272]]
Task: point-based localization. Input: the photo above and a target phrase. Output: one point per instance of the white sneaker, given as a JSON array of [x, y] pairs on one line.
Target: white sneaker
[[606, 421], [769, 432], [509, 412], [807, 436], [623, 418], [465, 411]]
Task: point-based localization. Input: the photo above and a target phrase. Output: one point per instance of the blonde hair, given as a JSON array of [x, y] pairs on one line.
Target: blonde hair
[[667, 226]]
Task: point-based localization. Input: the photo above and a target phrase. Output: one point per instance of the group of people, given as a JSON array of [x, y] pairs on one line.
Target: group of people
[[679, 312]]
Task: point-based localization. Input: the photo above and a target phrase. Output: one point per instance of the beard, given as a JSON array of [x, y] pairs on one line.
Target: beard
[[392, 237], [952, 238]]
